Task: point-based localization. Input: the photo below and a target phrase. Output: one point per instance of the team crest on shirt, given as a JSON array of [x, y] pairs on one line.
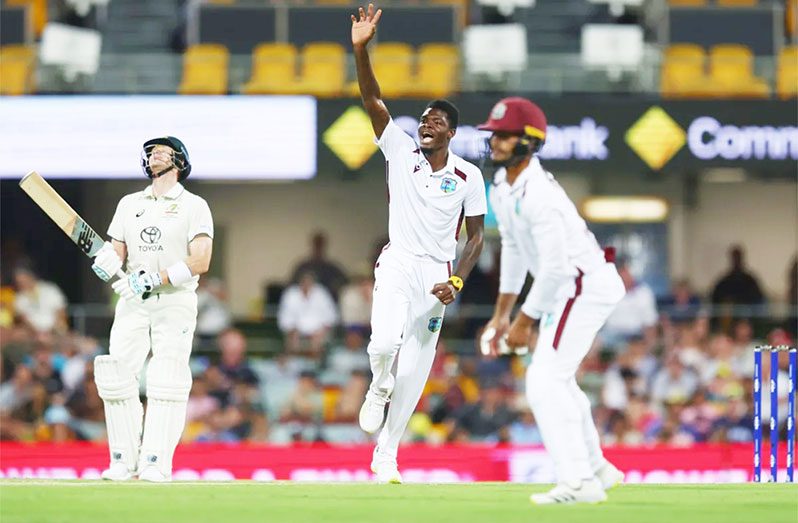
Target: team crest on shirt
[[448, 185], [172, 210], [435, 323]]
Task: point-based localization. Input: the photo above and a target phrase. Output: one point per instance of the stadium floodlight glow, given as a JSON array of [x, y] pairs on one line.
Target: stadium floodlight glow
[[630, 209]]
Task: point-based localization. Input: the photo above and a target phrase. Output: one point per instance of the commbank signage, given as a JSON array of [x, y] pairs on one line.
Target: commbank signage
[[600, 134]]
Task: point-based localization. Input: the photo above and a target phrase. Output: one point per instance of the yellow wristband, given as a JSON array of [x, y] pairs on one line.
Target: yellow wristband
[[457, 282]]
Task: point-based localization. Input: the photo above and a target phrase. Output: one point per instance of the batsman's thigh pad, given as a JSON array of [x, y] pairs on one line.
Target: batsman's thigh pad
[[115, 381]]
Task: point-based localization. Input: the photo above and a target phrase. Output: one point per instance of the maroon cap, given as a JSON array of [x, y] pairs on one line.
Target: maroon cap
[[516, 115]]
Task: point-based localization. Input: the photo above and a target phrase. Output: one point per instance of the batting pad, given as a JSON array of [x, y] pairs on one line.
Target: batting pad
[[119, 390], [168, 385]]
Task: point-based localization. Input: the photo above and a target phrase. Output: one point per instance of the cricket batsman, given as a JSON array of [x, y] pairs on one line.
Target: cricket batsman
[[165, 235], [576, 287]]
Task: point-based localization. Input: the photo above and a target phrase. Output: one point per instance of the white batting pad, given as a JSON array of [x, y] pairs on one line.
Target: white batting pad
[[119, 390], [168, 386]]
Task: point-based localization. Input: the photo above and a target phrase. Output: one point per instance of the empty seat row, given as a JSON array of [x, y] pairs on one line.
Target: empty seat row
[[726, 72], [320, 69]]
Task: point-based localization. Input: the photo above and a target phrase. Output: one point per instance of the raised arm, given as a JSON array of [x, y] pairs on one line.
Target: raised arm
[[363, 30]]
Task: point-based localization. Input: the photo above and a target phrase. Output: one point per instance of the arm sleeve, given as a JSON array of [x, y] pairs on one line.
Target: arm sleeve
[[116, 229], [512, 270], [549, 234], [201, 221], [394, 141], [476, 202]]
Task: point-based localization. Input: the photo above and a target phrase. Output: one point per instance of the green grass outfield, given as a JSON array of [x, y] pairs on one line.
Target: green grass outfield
[[32, 501]]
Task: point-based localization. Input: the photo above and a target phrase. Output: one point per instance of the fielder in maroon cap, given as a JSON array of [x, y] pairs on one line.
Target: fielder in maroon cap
[[574, 291]]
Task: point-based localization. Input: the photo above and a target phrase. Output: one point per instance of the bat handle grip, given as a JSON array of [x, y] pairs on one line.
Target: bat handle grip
[[121, 274]]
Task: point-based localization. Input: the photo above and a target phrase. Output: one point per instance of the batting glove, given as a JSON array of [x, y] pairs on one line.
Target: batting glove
[[107, 262], [137, 284]]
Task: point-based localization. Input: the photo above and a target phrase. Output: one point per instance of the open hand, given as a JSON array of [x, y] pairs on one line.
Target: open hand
[[365, 27]]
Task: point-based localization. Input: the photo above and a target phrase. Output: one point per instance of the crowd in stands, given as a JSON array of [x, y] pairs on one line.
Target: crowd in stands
[[660, 372]]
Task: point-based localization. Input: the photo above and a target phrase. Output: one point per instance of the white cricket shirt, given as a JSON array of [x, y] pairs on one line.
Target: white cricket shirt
[[157, 231], [426, 208], [543, 234]]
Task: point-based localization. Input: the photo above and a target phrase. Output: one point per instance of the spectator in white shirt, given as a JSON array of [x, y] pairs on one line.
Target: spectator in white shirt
[[306, 314], [355, 301], [636, 314], [39, 304], [213, 312]]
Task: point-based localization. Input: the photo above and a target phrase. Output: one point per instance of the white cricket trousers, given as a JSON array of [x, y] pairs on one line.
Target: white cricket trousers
[[561, 408], [406, 319], [163, 323]]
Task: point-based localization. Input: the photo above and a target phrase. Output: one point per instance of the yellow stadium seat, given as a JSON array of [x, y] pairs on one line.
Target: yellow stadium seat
[[37, 12], [687, 3], [438, 66], [737, 3], [393, 67], [731, 71], [791, 17], [17, 65], [273, 69], [205, 69], [682, 74], [787, 73], [323, 69], [329, 401]]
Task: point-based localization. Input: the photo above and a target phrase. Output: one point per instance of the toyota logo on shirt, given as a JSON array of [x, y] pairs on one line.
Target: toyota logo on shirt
[[151, 236]]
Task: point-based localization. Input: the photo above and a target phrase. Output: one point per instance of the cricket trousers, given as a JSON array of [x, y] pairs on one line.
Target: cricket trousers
[[406, 320], [164, 324], [561, 408]]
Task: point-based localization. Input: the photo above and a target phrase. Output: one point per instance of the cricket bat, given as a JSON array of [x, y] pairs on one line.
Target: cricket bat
[[43, 194]]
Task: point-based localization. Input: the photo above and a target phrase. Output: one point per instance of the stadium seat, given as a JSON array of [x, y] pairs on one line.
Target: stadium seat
[[17, 65], [273, 69], [205, 69], [791, 17], [438, 66], [682, 74], [737, 3], [787, 73], [393, 65], [329, 400], [731, 71], [323, 69], [37, 12], [687, 3]]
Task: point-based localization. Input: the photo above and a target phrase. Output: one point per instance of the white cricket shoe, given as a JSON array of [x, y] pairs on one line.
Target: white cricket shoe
[[386, 472], [586, 491], [372, 413], [118, 471], [609, 475], [153, 475]]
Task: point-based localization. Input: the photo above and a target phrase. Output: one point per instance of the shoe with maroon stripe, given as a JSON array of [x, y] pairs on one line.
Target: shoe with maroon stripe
[[585, 491]]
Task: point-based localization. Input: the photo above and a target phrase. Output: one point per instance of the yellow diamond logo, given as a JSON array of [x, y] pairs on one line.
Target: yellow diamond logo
[[351, 137], [656, 137]]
